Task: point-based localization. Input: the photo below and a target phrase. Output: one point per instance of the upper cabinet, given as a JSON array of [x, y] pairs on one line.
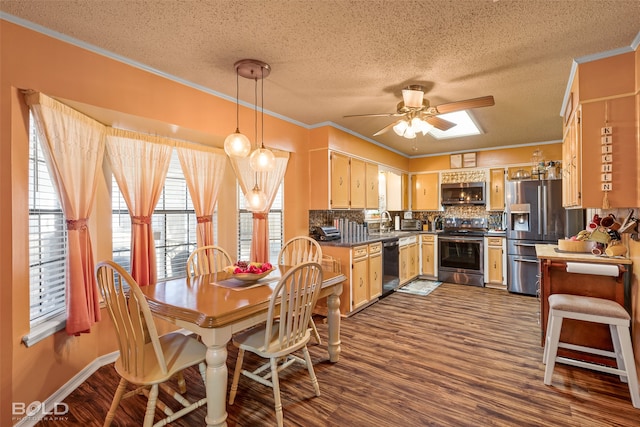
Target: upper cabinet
[[496, 189], [571, 182], [372, 191], [350, 183], [340, 184], [357, 184], [600, 135], [426, 189]]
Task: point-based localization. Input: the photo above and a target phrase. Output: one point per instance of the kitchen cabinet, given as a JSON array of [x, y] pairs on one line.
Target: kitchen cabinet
[[495, 267], [555, 280], [339, 197], [357, 183], [359, 277], [571, 184], [375, 270], [409, 257], [425, 194], [372, 193], [496, 189], [362, 265], [429, 254]]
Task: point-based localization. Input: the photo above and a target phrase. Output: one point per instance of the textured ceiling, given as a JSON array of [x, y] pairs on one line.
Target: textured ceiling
[[335, 58]]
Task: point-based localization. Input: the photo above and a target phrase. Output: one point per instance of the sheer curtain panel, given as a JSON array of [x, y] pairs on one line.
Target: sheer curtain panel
[[269, 183], [140, 163], [203, 169], [73, 145]]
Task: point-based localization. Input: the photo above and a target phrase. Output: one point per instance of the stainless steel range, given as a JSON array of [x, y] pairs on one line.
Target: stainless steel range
[[461, 251]]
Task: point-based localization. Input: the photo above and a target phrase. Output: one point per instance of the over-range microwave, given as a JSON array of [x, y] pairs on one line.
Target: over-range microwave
[[462, 193]]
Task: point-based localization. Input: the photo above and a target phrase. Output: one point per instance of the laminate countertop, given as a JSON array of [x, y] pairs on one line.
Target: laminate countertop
[[546, 251]]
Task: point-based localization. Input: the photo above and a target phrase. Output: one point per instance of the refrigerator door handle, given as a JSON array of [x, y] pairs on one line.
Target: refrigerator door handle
[[534, 261], [540, 218], [544, 211], [531, 245]]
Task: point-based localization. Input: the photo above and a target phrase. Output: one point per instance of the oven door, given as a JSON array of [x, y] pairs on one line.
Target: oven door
[[461, 260]]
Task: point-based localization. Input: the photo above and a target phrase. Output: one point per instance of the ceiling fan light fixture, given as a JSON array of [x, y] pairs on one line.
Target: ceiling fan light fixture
[[400, 127], [413, 96]]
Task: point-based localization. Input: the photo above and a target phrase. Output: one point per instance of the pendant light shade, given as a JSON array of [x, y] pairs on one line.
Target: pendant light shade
[[257, 199], [237, 145], [262, 160]]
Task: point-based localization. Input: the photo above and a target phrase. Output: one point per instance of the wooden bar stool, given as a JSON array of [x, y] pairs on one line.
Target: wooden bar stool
[[596, 310]]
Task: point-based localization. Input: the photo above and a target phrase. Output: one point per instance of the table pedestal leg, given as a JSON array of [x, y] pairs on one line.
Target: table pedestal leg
[[216, 385], [333, 319]]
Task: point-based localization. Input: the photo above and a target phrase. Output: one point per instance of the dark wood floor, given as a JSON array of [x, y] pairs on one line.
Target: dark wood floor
[[462, 356]]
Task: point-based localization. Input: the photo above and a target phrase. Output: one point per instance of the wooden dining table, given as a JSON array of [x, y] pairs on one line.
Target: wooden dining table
[[215, 306]]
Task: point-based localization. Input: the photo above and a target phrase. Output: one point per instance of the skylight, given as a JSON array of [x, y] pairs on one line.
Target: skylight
[[465, 126]]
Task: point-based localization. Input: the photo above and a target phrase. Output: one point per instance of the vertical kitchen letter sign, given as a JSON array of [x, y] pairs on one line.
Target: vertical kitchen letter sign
[[606, 176]]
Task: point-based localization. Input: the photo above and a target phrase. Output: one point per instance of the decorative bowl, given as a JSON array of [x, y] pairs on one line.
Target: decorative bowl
[[251, 277]]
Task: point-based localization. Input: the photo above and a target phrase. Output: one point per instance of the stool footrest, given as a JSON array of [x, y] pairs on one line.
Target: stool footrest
[[584, 349], [594, 366]]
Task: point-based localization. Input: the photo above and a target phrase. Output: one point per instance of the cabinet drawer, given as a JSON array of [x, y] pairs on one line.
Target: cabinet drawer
[[428, 237], [360, 252], [375, 248], [494, 241]]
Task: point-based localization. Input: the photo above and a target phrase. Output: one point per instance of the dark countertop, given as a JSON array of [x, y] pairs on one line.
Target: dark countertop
[[392, 235]]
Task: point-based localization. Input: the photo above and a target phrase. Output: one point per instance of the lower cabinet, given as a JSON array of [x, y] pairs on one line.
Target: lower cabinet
[[429, 256], [362, 265], [375, 270], [409, 259], [495, 264]]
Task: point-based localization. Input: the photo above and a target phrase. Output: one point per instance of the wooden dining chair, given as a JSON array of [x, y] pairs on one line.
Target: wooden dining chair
[[146, 359], [297, 250], [207, 259], [285, 332]]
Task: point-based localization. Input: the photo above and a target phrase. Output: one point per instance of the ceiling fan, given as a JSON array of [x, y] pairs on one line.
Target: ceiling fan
[[418, 116]]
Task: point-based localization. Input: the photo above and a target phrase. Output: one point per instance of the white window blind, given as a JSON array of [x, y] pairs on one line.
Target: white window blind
[[245, 227], [47, 240], [173, 222]]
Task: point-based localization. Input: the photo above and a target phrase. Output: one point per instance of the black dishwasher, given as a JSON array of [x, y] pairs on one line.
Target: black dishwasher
[[390, 269]]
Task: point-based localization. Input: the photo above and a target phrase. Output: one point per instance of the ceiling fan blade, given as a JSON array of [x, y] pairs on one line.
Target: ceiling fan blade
[[439, 123], [375, 115], [386, 128], [484, 101]]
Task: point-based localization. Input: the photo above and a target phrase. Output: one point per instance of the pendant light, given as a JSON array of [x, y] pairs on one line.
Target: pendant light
[[257, 198], [262, 159], [236, 144]]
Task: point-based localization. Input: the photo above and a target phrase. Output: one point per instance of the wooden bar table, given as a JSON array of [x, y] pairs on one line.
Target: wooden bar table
[[215, 306], [555, 279]]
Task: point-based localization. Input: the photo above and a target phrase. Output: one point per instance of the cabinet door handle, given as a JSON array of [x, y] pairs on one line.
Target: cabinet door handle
[[358, 183], [375, 275], [496, 188], [361, 282], [340, 181]]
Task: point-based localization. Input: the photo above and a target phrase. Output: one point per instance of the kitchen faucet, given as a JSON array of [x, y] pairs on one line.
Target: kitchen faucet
[[385, 225]]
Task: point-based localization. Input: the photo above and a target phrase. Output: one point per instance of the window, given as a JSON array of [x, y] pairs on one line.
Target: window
[[245, 227], [173, 223], [47, 240]]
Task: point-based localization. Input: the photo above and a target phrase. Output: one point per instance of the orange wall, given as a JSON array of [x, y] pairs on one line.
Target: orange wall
[[490, 158]]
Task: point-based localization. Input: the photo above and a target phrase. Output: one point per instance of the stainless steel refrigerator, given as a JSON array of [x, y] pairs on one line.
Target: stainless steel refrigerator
[[534, 215]]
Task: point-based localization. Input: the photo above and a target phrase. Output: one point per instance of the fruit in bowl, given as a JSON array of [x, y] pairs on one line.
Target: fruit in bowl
[[245, 270]]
